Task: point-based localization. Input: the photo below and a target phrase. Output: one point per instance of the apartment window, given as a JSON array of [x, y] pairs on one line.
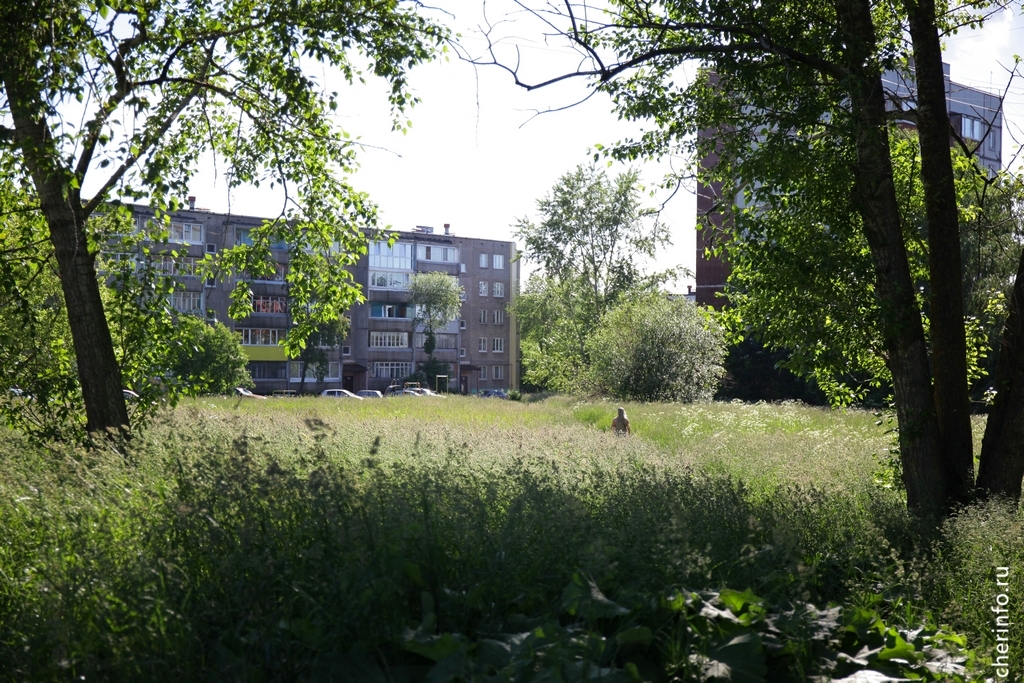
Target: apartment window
[[483, 288], [483, 317], [972, 128], [483, 260], [498, 372], [462, 267], [268, 369], [332, 374], [499, 345], [269, 304], [482, 373], [462, 324], [394, 340], [276, 275], [403, 311], [190, 233], [244, 236], [482, 345], [462, 353], [183, 266], [397, 256], [440, 254], [498, 317], [211, 248], [346, 350], [499, 261], [390, 370], [442, 341], [499, 289], [187, 302], [992, 143], [385, 280], [260, 336]]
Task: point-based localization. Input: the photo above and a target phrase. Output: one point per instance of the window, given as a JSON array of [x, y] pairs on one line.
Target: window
[[992, 144], [384, 280], [498, 372], [268, 369], [462, 267], [190, 233], [269, 304], [277, 275], [260, 336], [483, 260], [483, 288], [462, 324], [482, 372], [346, 350], [499, 289], [390, 370], [182, 266], [332, 374], [972, 128], [187, 302], [483, 317], [394, 340], [499, 261], [442, 341], [498, 317], [402, 311], [462, 353], [499, 345], [482, 345], [441, 254], [244, 236], [397, 256], [211, 248]]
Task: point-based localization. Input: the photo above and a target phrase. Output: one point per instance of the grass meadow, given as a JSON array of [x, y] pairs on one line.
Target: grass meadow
[[483, 540]]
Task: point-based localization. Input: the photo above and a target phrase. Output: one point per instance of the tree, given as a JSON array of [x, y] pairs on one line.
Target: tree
[[158, 84], [654, 348], [209, 358], [437, 297], [779, 75], [590, 244], [313, 355]]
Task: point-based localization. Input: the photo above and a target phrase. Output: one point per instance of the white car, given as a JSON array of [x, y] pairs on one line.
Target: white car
[[369, 393], [340, 393]]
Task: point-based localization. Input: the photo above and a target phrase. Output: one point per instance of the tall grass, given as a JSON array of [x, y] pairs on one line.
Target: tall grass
[[309, 539]]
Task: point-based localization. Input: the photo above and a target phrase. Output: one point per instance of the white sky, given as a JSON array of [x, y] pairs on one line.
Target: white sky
[[478, 158]]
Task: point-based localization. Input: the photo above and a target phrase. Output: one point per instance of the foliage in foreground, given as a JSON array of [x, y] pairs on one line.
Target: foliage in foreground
[[249, 547]]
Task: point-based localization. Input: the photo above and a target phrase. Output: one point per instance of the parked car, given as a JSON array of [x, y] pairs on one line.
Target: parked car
[[369, 393], [242, 391], [430, 392], [340, 393], [410, 389], [493, 393], [285, 393]]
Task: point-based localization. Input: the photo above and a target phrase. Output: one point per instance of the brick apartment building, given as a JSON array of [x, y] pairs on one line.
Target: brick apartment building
[[976, 114], [481, 348]]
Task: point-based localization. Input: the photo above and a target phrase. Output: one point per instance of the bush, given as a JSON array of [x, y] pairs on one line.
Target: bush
[[658, 349]]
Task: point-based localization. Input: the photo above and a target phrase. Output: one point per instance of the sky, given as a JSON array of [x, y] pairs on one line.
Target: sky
[[478, 155]]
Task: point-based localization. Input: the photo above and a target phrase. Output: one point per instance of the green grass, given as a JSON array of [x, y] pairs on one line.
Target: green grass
[[310, 539]]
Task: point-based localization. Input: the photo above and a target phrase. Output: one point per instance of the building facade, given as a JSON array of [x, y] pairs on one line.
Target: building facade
[[974, 114], [481, 348]]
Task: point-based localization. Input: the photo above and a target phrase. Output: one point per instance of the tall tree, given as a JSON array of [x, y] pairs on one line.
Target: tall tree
[[779, 74], [158, 84], [313, 356], [437, 297]]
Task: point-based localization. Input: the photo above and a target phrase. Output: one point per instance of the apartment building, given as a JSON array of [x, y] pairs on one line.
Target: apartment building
[[481, 348], [975, 114]]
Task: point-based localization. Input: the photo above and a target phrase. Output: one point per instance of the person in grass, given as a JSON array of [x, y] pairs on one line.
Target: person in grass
[[621, 423]]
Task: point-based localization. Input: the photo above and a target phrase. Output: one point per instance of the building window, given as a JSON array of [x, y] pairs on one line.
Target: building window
[[276, 276], [499, 261], [333, 373], [482, 374], [260, 336], [183, 266], [395, 340], [483, 288], [498, 316], [268, 369], [483, 317], [482, 345], [211, 248], [462, 353], [385, 280], [499, 345], [499, 289], [390, 370], [498, 372], [187, 302], [190, 233], [403, 311], [442, 341], [397, 256], [972, 128], [992, 137], [462, 267], [244, 236], [483, 260], [269, 304], [462, 324], [439, 254], [346, 350]]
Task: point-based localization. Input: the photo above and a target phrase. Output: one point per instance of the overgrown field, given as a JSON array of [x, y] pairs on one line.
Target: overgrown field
[[484, 540]]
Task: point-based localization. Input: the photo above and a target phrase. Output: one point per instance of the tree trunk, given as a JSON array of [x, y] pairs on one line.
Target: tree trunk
[[1002, 449], [924, 475], [946, 310], [98, 370]]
